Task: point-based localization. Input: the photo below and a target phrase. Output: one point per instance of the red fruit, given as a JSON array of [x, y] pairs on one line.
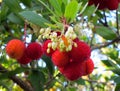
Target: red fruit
[[80, 53], [34, 51], [103, 4], [15, 48], [24, 59], [90, 2], [88, 67], [112, 4], [60, 59], [45, 47], [72, 71], [100, 3]]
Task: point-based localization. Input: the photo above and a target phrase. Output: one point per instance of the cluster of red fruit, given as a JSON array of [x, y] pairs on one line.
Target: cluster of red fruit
[[105, 4], [17, 49], [72, 64]]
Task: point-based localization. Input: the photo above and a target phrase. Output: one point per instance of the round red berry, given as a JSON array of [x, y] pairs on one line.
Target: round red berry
[[34, 50], [24, 59], [88, 66], [60, 59], [80, 53], [72, 71], [15, 48]]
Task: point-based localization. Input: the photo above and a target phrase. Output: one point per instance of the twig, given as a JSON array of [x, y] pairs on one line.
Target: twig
[[106, 44], [105, 18], [92, 39], [17, 80], [49, 82], [117, 22]]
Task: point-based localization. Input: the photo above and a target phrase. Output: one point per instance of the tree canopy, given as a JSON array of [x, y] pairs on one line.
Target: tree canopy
[[59, 45]]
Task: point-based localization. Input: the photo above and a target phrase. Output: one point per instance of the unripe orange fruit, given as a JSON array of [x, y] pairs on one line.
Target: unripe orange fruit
[[15, 48], [52, 89]]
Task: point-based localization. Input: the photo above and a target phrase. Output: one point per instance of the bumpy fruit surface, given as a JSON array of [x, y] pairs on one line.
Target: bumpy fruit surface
[[15, 48], [34, 50], [80, 53], [72, 71], [105, 4], [112, 4], [60, 59], [45, 48], [88, 66], [24, 59]]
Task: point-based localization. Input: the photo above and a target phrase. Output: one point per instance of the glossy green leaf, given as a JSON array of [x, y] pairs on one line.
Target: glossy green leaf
[[37, 80], [71, 10], [80, 81], [34, 18], [13, 5], [106, 33], [17, 71], [116, 71], [117, 80], [107, 63], [15, 19], [49, 63], [3, 12], [56, 6], [87, 11]]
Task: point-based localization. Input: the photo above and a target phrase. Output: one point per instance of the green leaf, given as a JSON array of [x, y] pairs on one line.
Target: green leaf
[[15, 19], [112, 53], [80, 81], [13, 5], [106, 33], [34, 18], [116, 71], [37, 80], [117, 80], [117, 88], [107, 63], [3, 12], [71, 10], [17, 71], [47, 7], [49, 63], [56, 6], [4, 85], [65, 2], [82, 9], [26, 2], [88, 11]]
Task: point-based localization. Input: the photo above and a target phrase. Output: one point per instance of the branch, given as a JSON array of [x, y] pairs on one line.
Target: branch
[[106, 44], [17, 80]]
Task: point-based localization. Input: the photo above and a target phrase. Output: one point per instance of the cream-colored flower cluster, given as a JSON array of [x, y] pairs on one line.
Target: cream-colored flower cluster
[[62, 40]]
